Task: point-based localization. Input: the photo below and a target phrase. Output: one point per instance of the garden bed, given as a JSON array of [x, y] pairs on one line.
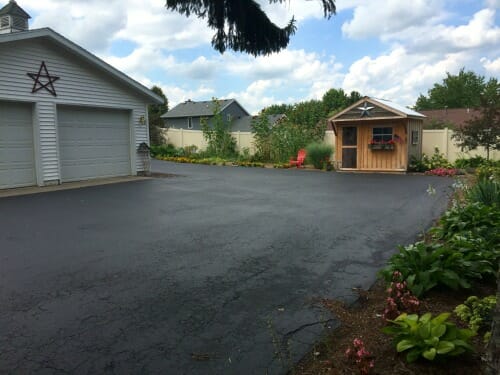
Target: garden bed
[[457, 261], [364, 321]]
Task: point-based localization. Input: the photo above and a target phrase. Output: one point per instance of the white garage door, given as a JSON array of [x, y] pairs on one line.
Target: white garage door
[[17, 163], [93, 143]]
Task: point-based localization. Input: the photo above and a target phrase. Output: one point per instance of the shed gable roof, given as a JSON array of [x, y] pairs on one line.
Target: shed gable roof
[[13, 9], [61, 41], [370, 108], [199, 109]]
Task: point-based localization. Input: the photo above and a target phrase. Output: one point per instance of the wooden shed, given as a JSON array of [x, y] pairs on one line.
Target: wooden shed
[[377, 135]]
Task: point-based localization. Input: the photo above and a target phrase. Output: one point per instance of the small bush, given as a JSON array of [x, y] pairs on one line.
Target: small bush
[[362, 358], [163, 150], [426, 163], [488, 171], [319, 154], [476, 312], [472, 162]]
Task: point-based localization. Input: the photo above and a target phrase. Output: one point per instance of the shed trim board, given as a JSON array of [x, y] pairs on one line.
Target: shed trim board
[[85, 82]]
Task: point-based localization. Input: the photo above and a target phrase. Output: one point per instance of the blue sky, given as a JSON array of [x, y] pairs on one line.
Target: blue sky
[[390, 49]]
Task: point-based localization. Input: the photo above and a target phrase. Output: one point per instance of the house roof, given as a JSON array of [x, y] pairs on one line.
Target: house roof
[[13, 9], [456, 116], [205, 108], [67, 44], [245, 123]]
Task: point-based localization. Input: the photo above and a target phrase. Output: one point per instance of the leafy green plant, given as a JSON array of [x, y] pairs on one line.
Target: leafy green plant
[[454, 264], [163, 150], [477, 312], [485, 191], [471, 162], [427, 337], [474, 219], [318, 154], [425, 266]]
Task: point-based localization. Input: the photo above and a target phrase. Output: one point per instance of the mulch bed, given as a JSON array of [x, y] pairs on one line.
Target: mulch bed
[[364, 321]]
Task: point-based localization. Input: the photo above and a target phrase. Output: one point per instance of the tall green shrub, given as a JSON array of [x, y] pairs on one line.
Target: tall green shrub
[[218, 135], [319, 154], [262, 132]]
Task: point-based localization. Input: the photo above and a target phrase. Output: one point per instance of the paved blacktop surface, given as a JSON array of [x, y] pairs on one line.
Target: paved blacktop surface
[[214, 271]]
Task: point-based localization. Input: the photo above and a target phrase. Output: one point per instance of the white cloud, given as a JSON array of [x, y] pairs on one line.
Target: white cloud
[[491, 66], [88, 23], [400, 76], [377, 18], [257, 95]]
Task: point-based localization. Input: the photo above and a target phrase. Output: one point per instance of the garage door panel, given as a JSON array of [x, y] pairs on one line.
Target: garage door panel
[[17, 164], [93, 143]]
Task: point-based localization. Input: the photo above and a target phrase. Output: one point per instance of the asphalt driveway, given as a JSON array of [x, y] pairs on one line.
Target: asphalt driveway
[[214, 271]]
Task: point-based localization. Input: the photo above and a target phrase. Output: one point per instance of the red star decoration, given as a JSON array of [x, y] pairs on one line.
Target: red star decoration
[[38, 85]]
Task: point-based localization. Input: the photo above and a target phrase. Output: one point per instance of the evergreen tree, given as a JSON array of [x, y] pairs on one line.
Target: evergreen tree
[[241, 25]]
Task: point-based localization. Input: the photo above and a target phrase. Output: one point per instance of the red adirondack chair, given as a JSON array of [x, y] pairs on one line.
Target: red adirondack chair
[[301, 157]]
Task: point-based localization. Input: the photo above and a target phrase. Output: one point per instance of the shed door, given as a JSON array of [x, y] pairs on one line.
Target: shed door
[[17, 157], [349, 147], [93, 143]]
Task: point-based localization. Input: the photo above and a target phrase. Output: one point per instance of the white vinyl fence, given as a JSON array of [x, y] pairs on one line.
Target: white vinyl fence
[[440, 138]]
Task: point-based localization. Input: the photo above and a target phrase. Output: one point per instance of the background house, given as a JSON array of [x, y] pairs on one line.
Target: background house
[[377, 135], [447, 117], [188, 115], [183, 123], [65, 115]]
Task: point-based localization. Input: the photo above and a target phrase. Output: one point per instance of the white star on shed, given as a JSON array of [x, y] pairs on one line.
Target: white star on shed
[[365, 110]]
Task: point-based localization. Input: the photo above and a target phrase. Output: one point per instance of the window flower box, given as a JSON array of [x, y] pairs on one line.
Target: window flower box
[[381, 146]]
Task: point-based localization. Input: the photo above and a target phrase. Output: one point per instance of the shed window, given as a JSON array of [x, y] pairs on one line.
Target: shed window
[[415, 137], [382, 134], [190, 123]]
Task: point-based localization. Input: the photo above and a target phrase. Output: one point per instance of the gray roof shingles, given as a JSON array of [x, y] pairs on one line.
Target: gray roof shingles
[[13, 9], [195, 109]]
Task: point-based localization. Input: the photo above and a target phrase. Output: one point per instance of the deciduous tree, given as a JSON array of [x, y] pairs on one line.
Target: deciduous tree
[[455, 91], [483, 130], [155, 121]]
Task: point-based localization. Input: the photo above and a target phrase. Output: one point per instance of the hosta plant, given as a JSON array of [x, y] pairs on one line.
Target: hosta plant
[[427, 337], [425, 266]]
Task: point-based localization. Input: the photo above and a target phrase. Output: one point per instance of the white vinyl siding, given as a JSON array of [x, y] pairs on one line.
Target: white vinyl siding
[[80, 84], [17, 161]]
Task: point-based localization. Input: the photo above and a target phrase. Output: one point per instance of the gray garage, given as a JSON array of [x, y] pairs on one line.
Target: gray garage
[[65, 115]]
